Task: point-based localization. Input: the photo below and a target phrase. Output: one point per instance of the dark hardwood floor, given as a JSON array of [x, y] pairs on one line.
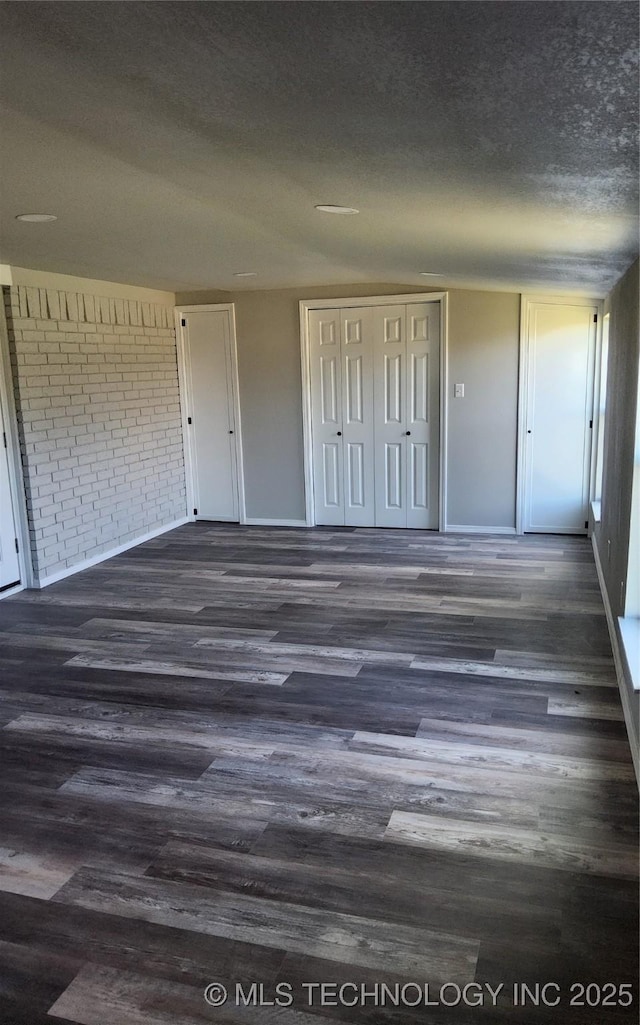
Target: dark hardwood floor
[[293, 757]]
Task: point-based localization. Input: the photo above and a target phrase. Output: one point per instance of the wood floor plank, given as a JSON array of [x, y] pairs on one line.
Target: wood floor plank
[[524, 845], [503, 759], [35, 875], [335, 936], [106, 996], [158, 668]]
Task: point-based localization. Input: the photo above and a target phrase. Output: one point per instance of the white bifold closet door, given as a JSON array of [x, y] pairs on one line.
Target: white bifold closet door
[[342, 414], [375, 415], [407, 411]]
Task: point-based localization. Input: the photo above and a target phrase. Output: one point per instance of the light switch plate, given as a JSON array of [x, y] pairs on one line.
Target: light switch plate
[[458, 391]]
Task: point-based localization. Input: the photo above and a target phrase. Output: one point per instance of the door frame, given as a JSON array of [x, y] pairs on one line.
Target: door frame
[[184, 380], [305, 306], [14, 459], [526, 302]]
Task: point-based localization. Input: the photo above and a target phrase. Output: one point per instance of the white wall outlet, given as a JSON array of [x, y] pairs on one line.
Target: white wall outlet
[[458, 391]]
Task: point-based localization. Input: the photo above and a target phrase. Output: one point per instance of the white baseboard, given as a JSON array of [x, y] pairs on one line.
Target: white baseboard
[[252, 521], [458, 528], [94, 560], [619, 664]]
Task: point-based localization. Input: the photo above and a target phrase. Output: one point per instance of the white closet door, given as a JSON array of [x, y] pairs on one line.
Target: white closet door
[[390, 351], [357, 420], [422, 405], [208, 343], [375, 415], [326, 406], [561, 347]]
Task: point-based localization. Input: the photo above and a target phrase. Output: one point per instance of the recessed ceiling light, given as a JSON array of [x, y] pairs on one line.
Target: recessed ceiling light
[[36, 218], [246, 274], [430, 274], [330, 208]]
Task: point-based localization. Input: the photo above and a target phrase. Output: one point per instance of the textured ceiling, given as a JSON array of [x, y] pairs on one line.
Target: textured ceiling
[[181, 142]]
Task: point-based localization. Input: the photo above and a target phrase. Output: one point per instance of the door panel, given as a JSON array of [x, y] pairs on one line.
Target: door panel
[[393, 478], [419, 476], [419, 382], [423, 414], [329, 372], [326, 415], [355, 476], [331, 488], [389, 402], [393, 367], [357, 427], [208, 342], [561, 350]]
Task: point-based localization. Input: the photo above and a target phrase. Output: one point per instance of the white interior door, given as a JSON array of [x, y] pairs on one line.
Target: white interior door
[[422, 406], [326, 404], [208, 342], [559, 397], [390, 417], [9, 565], [357, 420]]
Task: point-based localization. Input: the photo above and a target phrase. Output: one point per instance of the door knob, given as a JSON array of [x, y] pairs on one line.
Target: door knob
[[407, 433], [339, 434], [230, 432]]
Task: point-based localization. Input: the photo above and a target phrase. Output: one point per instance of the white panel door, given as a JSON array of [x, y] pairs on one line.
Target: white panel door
[[422, 419], [327, 412], [561, 349], [9, 565], [208, 344], [357, 420], [390, 402]]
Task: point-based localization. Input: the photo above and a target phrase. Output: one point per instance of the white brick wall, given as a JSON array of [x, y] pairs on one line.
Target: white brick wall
[[96, 385]]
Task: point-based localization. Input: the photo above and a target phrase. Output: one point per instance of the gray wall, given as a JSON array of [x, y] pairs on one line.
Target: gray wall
[[612, 533], [483, 352], [96, 389], [483, 355]]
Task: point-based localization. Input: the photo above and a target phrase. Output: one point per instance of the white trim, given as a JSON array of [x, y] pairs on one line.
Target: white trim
[[6, 277], [235, 384], [16, 473], [634, 738], [183, 392], [184, 371], [629, 627], [305, 306], [458, 528], [252, 521], [95, 559], [595, 412], [526, 301], [444, 411], [11, 590], [523, 383], [372, 300], [307, 437]]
